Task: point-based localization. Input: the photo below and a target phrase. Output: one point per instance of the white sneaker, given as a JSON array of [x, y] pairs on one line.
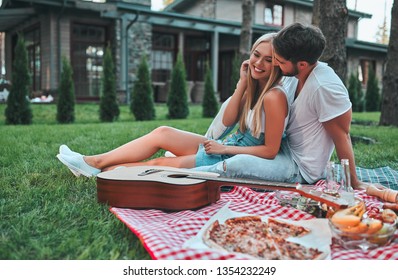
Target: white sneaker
[[64, 150], [78, 164]]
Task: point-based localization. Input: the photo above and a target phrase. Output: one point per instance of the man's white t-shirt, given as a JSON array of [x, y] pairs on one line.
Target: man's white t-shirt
[[322, 98]]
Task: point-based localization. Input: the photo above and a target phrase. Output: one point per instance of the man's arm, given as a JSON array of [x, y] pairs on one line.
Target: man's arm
[[339, 130]]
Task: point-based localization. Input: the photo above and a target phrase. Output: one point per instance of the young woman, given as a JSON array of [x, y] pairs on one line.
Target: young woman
[[259, 104]]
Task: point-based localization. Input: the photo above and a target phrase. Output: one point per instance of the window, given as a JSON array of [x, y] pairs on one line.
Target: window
[[273, 14], [32, 43], [162, 56], [87, 51], [197, 52]]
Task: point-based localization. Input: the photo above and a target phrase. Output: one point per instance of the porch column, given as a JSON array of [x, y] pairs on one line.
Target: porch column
[[181, 43], [123, 54], [214, 58]]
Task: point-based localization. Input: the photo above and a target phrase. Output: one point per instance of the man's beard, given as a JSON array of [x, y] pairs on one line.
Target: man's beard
[[292, 73]]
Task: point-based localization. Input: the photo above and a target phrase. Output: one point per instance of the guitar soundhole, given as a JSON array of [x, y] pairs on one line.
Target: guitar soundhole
[[178, 176]]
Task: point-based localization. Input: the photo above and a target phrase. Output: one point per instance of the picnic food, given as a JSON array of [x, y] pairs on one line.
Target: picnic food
[[350, 217], [285, 230], [353, 229], [351, 220], [388, 216], [258, 239]]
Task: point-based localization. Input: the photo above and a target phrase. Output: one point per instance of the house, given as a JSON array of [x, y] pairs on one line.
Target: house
[[203, 31]]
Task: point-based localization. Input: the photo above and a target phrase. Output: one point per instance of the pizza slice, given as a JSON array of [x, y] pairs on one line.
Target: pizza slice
[[294, 251], [247, 235], [258, 239], [285, 230]]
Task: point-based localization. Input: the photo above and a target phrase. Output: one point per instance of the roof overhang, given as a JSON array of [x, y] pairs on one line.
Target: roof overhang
[[177, 20], [13, 17], [368, 46], [181, 4]]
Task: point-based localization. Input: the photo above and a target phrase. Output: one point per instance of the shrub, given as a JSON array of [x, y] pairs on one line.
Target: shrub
[[109, 109], [355, 92], [177, 101], [142, 105], [18, 109], [372, 92], [361, 97], [209, 104], [236, 63], [66, 95]]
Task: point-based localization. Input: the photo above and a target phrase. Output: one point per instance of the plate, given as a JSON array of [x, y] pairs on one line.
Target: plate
[[319, 237]]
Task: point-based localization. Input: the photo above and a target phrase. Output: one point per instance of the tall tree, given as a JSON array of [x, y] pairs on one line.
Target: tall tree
[[18, 109], [355, 92], [389, 103], [109, 109], [333, 21], [316, 12], [372, 93], [209, 104], [177, 100], [246, 32], [66, 94], [142, 104]]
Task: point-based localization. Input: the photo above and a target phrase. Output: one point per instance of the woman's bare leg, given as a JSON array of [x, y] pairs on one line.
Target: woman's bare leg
[[179, 142], [179, 162]]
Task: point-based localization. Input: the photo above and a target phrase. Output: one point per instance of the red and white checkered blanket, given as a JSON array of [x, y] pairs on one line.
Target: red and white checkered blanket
[[164, 233]]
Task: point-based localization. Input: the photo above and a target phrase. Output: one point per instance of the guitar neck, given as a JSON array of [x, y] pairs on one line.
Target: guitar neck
[[259, 184], [308, 191]]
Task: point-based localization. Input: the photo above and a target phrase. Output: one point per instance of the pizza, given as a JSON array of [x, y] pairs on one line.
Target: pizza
[[286, 230], [259, 239]]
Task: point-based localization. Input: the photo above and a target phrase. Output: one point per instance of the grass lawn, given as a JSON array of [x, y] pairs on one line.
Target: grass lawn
[[47, 213]]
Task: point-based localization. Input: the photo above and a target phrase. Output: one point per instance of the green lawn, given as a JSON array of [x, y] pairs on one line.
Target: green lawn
[[47, 213]]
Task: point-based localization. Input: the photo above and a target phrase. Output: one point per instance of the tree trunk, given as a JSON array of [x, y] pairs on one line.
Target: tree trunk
[[333, 21], [389, 115], [315, 12], [246, 32]]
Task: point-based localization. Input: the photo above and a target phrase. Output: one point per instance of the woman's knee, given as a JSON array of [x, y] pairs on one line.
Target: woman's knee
[[163, 131]]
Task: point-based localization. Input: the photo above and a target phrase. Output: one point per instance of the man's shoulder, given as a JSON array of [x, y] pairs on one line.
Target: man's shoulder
[[325, 75], [322, 68]]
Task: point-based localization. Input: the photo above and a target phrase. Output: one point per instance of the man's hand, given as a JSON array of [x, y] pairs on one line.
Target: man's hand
[[364, 186]]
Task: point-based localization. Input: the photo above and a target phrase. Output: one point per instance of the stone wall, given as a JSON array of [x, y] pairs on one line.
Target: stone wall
[[139, 43]]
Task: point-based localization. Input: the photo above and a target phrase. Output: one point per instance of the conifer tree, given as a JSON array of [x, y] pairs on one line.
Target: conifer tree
[[236, 63], [109, 109], [372, 92], [353, 90], [177, 101], [66, 94], [209, 104], [361, 97], [142, 105], [18, 109]]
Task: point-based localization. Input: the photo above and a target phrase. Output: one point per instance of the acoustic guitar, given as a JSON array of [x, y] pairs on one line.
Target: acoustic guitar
[[175, 189]]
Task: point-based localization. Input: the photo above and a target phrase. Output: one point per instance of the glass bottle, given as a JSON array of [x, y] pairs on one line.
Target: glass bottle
[[346, 190], [332, 186]]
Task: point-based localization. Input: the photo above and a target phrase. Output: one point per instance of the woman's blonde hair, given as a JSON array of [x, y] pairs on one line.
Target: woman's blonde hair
[[253, 99]]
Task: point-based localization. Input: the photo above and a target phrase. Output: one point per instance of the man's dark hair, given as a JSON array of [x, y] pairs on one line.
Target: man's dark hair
[[297, 42]]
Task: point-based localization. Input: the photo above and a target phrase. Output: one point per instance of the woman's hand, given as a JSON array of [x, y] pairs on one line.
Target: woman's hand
[[213, 147], [244, 68]]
